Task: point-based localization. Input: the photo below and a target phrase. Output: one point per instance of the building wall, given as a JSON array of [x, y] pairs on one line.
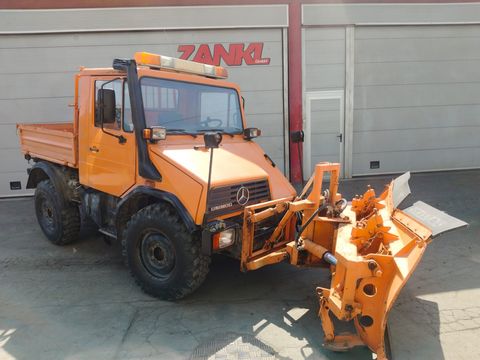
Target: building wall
[[389, 83], [410, 81]]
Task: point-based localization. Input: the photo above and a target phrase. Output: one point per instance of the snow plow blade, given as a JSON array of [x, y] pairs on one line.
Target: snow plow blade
[[370, 246], [376, 254]]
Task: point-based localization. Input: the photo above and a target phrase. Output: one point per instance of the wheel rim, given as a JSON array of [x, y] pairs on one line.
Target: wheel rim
[[157, 254], [47, 215]]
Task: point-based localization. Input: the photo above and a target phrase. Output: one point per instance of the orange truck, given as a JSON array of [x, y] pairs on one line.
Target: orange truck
[[159, 156]]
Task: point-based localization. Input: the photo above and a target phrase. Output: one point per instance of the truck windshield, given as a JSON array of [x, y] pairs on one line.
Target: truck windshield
[[188, 107]]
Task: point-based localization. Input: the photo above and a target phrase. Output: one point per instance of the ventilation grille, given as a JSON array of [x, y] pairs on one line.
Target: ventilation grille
[[224, 200]]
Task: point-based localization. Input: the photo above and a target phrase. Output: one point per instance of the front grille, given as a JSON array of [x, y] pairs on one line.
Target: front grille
[[223, 200]]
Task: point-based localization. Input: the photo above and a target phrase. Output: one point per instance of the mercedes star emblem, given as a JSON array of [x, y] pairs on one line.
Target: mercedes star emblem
[[243, 195]]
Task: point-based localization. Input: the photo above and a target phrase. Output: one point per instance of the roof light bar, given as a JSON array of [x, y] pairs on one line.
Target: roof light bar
[[192, 67]]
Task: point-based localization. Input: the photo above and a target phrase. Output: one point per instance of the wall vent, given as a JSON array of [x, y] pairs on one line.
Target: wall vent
[[15, 185]]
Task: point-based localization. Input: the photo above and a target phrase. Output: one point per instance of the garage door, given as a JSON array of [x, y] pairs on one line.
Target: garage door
[[37, 81], [417, 102]]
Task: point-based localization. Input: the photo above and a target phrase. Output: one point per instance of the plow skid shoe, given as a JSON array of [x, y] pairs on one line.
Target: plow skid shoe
[[376, 254]]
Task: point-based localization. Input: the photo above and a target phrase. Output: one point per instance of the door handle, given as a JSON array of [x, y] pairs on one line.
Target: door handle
[[94, 149], [340, 137]]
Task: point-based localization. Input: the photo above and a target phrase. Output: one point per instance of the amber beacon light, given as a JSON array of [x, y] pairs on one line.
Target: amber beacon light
[[180, 65]]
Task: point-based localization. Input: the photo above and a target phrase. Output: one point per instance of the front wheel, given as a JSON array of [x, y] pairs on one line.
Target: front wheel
[[163, 257]]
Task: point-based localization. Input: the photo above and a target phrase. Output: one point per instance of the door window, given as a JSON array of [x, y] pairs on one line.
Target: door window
[[127, 109], [123, 113]]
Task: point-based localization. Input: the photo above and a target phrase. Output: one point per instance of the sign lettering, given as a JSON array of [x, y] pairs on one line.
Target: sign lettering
[[236, 55]]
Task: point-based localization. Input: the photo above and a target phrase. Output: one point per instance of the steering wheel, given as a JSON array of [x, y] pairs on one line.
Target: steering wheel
[[207, 123]]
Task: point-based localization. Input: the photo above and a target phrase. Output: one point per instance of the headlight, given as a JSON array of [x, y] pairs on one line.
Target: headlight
[[224, 239]]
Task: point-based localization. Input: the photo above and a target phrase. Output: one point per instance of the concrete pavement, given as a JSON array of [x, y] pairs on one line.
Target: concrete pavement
[[79, 301]]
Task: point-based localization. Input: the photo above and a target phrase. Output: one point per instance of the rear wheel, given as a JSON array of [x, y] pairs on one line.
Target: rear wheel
[[59, 222], [163, 257]]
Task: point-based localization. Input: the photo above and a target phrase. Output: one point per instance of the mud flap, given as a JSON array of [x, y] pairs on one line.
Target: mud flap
[[376, 253]]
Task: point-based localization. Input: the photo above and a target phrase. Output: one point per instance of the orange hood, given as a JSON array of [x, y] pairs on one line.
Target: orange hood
[[232, 163], [235, 161]]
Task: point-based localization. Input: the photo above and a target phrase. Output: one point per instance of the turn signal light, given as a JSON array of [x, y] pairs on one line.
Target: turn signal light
[[147, 134], [191, 67], [155, 133]]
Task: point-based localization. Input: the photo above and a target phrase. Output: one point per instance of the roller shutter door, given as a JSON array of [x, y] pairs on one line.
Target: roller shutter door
[[37, 81], [416, 98]]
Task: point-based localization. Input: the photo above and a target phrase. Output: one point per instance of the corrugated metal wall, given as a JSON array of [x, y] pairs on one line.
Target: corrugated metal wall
[[37, 81]]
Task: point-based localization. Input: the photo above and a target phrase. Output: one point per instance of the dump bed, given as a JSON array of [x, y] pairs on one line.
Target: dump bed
[[53, 142]]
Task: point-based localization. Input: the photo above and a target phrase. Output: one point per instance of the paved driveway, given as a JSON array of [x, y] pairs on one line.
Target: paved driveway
[[79, 302]]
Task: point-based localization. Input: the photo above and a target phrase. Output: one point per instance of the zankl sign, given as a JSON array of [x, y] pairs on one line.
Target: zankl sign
[[236, 55]]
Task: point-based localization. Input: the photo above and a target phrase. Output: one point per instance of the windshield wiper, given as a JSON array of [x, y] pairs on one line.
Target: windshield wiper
[[181, 131], [232, 134]]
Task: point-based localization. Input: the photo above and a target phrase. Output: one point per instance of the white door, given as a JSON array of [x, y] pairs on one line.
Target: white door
[[324, 119]]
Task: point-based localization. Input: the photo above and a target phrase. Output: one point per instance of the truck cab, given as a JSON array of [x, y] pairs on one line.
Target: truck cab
[[141, 167], [187, 106]]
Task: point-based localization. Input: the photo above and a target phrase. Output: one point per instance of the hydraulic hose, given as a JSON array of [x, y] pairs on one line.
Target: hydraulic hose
[[304, 226]]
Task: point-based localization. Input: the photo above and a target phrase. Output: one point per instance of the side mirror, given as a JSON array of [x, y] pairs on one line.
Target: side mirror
[[106, 105], [212, 139], [243, 103], [251, 133]]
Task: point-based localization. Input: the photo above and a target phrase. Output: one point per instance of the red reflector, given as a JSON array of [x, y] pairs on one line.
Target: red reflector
[[216, 241]]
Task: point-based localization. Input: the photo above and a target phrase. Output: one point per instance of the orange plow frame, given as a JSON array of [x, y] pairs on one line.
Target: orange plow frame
[[375, 248]]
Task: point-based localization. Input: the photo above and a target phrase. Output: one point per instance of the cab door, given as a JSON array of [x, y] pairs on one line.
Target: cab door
[[111, 153]]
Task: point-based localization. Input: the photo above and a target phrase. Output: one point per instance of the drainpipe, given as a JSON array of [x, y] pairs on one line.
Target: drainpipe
[[295, 96]]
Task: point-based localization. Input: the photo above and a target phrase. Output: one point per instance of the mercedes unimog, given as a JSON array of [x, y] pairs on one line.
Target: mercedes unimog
[[159, 156]]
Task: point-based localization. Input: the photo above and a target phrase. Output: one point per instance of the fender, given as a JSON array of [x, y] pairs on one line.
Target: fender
[[145, 191], [43, 170]]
